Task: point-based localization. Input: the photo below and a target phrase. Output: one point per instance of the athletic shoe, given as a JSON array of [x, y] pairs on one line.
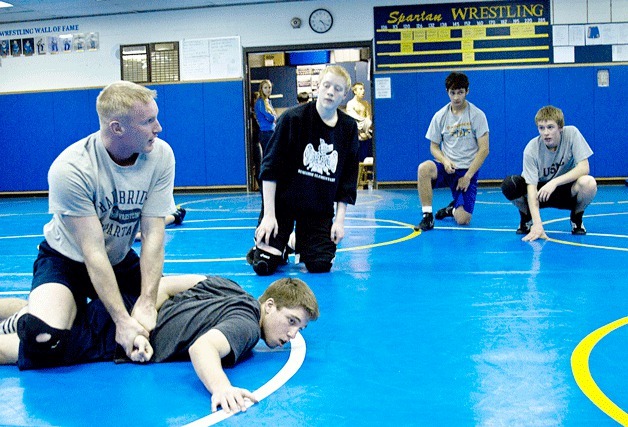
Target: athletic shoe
[[427, 223], [179, 215], [524, 228], [525, 223], [577, 228], [446, 211], [250, 255]]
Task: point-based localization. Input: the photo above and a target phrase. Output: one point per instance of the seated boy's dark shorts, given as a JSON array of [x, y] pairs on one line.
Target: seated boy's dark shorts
[[53, 267]]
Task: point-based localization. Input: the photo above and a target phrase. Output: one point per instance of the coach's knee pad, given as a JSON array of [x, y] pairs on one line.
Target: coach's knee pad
[[513, 187], [41, 339], [318, 266], [265, 263]]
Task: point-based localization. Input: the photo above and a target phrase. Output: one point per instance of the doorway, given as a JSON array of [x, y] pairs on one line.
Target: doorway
[[293, 70]]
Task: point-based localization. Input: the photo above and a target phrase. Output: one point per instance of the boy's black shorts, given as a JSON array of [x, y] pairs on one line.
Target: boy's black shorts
[[561, 198], [313, 237]]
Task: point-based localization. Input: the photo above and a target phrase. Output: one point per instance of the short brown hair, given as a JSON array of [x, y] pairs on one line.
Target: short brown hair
[[291, 292], [549, 112]]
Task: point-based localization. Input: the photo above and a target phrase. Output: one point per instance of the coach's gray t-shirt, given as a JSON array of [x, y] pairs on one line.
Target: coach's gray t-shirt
[[458, 135], [540, 164], [85, 181], [214, 303]]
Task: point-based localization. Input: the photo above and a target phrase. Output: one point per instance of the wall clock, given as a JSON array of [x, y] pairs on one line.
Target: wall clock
[[321, 21]]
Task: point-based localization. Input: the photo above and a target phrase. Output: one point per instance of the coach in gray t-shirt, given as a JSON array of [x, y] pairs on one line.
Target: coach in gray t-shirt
[[101, 189]]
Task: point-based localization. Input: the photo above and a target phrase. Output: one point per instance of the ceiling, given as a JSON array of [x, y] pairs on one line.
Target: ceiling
[[40, 10]]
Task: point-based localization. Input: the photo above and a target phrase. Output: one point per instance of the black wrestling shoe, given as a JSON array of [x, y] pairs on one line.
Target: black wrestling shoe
[[525, 223], [577, 228], [249, 255], [445, 212], [427, 223], [179, 215]]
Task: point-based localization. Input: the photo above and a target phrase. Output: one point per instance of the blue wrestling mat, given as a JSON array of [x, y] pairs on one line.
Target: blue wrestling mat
[[455, 326]]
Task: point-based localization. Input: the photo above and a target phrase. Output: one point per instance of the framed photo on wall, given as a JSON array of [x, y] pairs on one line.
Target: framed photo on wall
[[16, 47], [4, 48], [28, 46]]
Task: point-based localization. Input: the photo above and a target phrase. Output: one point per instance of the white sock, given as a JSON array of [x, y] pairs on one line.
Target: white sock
[[427, 209], [9, 325]]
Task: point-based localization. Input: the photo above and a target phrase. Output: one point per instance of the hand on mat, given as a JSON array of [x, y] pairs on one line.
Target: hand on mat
[[536, 232], [232, 399], [142, 350]]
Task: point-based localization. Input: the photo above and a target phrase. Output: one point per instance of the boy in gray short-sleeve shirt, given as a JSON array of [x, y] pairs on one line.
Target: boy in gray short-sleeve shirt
[[555, 174], [458, 135]]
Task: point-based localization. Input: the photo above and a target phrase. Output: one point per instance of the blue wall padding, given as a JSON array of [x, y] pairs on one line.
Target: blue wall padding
[[205, 124], [510, 98]]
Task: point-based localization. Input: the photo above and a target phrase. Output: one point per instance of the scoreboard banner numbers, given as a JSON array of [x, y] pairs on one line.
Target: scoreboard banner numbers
[[462, 34]]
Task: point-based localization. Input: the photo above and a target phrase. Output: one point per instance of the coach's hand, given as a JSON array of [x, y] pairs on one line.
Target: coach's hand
[[142, 350], [127, 331]]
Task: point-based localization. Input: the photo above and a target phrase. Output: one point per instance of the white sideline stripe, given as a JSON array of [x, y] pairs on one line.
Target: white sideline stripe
[[23, 236], [251, 227], [297, 356]]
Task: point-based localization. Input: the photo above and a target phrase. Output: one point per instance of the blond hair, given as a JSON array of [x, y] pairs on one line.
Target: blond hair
[[119, 98], [292, 293], [269, 108], [338, 71]]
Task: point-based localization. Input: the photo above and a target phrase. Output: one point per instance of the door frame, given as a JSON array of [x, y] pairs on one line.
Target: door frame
[[246, 82]]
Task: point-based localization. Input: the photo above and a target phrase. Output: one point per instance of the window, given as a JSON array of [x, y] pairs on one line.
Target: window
[[150, 62]]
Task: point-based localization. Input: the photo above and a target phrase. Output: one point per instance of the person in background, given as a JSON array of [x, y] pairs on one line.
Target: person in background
[[360, 110], [303, 98], [458, 135], [265, 114], [555, 174]]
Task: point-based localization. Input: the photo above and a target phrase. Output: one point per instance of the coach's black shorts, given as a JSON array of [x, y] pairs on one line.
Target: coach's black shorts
[[53, 267]]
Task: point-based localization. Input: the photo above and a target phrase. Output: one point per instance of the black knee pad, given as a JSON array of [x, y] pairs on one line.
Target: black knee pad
[[513, 187], [318, 266], [30, 327], [265, 263]]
